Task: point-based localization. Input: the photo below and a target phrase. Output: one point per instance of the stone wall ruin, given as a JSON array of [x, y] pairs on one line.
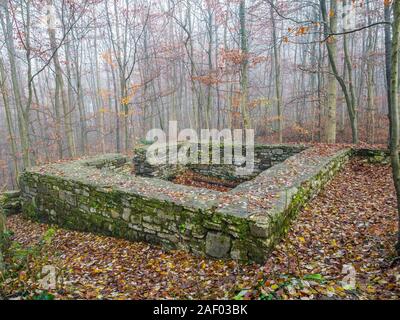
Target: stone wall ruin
[[101, 195]]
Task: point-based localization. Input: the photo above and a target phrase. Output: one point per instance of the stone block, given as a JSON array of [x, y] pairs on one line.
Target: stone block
[[218, 245]]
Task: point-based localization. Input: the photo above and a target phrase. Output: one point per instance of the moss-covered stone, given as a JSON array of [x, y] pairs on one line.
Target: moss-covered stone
[[244, 224], [218, 245], [10, 202]]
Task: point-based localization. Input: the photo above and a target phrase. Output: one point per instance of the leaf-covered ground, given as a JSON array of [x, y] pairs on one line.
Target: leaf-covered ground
[[352, 224], [193, 179]]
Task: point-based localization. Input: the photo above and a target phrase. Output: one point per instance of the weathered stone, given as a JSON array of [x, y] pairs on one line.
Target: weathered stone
[[148, 219], [151, 227], [259, 231], [213, 226], [135, 227], [10, 202], [126, 214], [163, 216], [217, 244], [135, 219], [243, 224], [239, 251], [170, 237], [114, 214]]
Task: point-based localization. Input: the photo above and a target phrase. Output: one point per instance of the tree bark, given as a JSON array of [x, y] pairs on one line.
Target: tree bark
[[388, 62], [331, 55], [60, 100], [244, 81], [278, 81], [9, 120], [330, 126], [394, 110], [352, 108], [23, 116]]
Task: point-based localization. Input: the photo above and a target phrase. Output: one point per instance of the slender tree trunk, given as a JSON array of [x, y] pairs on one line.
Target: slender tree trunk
[[330, 126], [9, 120], [388, 62], [210, 66], [394, 111], [353, 108], [99, 99], [23, 117], [370, 93], [81, 109], [278, 81], [60, 95], [244, 82], [342, 83], [116, 111]]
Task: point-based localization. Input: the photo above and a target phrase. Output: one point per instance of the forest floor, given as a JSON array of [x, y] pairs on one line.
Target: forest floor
[[190, 178], [351, 224]]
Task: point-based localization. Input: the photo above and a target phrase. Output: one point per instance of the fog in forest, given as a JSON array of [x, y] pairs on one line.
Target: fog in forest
[[89, 77]]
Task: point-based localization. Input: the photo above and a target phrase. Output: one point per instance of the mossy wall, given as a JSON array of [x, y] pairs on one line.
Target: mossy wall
[[92, 196], [265, 156], [10, 202]]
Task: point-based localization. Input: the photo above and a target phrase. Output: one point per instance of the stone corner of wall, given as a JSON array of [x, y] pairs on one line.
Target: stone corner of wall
[[10, 202]]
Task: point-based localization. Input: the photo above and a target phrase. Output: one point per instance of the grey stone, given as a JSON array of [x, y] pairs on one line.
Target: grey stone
[[148, 219], [204, 221], [238, 251], [135, 227], [278, 151], [170, 237], [126, 214], [259, 231], [135, 219], [151, 227], [114, 214], [217, 244]]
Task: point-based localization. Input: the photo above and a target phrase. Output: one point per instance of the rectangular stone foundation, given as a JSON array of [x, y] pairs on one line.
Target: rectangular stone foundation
[[100, 195]]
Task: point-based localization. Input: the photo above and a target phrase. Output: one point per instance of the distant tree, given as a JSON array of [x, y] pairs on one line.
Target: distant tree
[[331, 43], [347, 89], [278, 77], [244, 70]]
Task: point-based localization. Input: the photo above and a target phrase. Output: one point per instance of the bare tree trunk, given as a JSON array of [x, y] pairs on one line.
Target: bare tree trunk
[[388, 62], [331, 54], [9, 120], [79, 92], [60, 95], [23, 117], [210, 66], [278, 81], [370, 91], [116, 111], [244, 82], [353, 108], [394, 111], [330, 126], [99, 99]]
